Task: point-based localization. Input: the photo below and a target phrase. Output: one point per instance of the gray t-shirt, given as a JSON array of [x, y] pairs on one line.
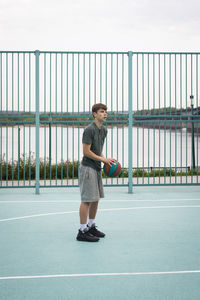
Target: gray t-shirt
[[95, 137]]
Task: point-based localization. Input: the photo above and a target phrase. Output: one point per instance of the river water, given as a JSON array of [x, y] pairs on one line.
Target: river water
[[151, 148]]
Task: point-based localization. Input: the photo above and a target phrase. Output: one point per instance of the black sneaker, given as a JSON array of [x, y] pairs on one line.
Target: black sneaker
[[86, 236], [94, 231]]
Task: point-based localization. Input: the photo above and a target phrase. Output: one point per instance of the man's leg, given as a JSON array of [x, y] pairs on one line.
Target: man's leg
[[83, 212], [83, 233], [93, 209], [91, 224]]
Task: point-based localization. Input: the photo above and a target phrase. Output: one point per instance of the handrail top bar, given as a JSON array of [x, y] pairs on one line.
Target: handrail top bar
[[17, 52], [95, 52]]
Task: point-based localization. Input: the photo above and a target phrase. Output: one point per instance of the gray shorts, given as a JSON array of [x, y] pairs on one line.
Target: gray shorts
[[90, 182]]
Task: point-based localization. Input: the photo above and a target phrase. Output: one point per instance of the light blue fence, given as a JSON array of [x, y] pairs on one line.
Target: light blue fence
[[153, 116]]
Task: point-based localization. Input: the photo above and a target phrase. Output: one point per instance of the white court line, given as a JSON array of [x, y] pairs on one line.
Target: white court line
[[78, 201], [104, 209], [101, 274]]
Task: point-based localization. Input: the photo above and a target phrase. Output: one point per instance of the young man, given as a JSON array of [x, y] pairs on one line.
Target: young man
[[91, 186]]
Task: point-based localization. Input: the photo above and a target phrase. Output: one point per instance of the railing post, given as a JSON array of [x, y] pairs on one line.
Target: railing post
[[37, 124], [130, 124]]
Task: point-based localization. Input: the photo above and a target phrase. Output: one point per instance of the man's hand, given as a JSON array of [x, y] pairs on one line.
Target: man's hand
[[110, 161]]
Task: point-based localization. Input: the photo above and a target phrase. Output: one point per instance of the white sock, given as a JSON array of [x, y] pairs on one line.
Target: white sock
[[91, 222], [83, 226]]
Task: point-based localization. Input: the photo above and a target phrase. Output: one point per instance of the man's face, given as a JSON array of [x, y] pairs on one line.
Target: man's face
[[101, 115]]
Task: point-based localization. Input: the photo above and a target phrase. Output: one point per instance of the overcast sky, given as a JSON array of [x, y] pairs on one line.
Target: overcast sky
[[91, 25]]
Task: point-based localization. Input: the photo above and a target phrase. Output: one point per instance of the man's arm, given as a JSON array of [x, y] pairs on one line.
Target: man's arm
[[87, 152]]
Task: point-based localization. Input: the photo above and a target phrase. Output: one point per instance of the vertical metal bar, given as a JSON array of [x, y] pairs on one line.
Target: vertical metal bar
[[101, 77], [67, 98], [73, 122], [123, 123], [143, 114], [154, 122], [45, 154], [89, 82], [18, 81], [159, 111], [7, 82], [56, 93], [24, 154], [106, 80], [24, 81], [37, 123], [165, 122], [50, 151], [73, 154], [170, 157], [1, 156], [50, 121], [18, 152], [175, 126], [159, 79], [95, 61], [56, 154], [61, 87], [62, 123], [29, 125], [45, 84], [78, 81], [72, 83], [159, 152], [18, 125], [12, 126], [117, 97], [112, 83], [112, 108], [130, 125], [29, 156], [1, 82], [78, 150], [181, 112], [67, 155], [186, 96], [170, 99], [148, 124], [192, 126], [117, 108], [24, 109], [1, 110], [84, 82], [56, 71], [106, 91], [45, 124], [137, 114], [197, 124], [6, 154]]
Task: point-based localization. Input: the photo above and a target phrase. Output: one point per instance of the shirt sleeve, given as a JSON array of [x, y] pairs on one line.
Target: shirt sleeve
[[106, 132], [87, 136]]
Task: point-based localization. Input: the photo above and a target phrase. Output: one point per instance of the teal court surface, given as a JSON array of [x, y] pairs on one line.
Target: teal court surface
[[151, 249]]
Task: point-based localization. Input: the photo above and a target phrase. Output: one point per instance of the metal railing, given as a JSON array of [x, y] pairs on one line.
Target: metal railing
[[153, 116]]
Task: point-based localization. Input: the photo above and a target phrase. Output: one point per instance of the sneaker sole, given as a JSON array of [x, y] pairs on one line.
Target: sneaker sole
[[83, 240]]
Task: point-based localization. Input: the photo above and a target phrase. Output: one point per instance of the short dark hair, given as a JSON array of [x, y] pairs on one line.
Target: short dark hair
[[98, 106]]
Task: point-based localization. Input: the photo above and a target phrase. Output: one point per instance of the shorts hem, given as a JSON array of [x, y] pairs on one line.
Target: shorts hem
[[90, 201]]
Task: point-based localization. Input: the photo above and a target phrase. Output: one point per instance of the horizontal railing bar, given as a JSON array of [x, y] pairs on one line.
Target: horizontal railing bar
[[101, 52], [108, 122], [107, 185], [91, 118], [188, 53], [7, 52], [166, 121]]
